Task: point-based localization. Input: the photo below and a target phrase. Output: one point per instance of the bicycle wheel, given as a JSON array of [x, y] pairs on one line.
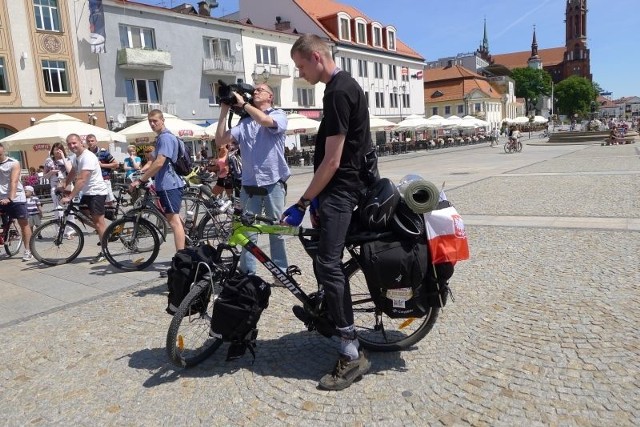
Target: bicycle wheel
[[188, 339], [130, 244], [507, 147], [518, 146], [376, 331], [156, 219], [13, 239], [215, 228], [53, 248]]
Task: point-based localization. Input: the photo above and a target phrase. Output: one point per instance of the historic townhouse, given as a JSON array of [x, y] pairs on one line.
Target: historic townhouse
[[46, 66], [389, 71]]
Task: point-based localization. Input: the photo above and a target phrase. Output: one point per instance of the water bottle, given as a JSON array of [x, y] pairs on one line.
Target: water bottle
[[225, 205], [188, 220]]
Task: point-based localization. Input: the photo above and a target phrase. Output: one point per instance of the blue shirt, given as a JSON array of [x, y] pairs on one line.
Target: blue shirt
[[167, 178], [262, 149]]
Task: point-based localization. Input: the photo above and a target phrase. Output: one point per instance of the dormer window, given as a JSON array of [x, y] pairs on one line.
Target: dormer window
[[344, 26], [391, 38], [377, 35], [361, 31]]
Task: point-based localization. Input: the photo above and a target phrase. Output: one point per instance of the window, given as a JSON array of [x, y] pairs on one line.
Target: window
[[4, 87], [361, 32], [47, 16], [362, 68], [216, 48], [276, 95], [306, 97], [55, 76], [142, 91], [476, 106], [434, 111], [393, 72], [460, 109], [377, 36], [345, 64], [379, 100], [214, 99], [137, 37], [406, 100], [447, 110], [345, 30], [377, 70], [391, 40], [393, 100], [366, 95], [266, 55]]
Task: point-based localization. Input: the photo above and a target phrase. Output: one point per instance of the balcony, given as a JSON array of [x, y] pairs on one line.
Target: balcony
[[267, 71], [229, 65], [144, 59], [141, 109]]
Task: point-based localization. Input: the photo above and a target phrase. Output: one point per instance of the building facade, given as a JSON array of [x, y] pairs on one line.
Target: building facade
[[46, 67]]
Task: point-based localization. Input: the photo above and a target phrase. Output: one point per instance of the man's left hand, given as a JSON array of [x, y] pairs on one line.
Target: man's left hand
[[293, 215]]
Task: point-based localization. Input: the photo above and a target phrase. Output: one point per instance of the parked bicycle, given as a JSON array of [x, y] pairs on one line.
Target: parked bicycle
[[133, 242], [11, 237], [61, 240], [190, 340], [513, 145]]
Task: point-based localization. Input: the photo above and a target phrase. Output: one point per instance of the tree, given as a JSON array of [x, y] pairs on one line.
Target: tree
[[530, 84], [575, 96]]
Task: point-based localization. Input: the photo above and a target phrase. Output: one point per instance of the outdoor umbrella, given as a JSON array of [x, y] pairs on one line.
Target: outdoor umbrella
[[56, 128], [211, 129], [378, 124], [435, 122], [297, 124], [141, 131], [540, 119], [468, 122], [520, 120], [412, 122]]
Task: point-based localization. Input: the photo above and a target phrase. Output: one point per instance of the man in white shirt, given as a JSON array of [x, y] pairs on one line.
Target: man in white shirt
[[88, 180]]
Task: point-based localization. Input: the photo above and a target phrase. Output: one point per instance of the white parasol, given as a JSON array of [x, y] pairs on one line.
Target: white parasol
[[56, 128], [378, 123], [141, 131], [299, 124]]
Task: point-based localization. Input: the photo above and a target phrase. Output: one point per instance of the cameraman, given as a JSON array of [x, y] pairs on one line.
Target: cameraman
[[261, 135]]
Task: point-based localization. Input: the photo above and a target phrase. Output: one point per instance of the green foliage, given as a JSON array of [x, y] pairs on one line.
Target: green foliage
[[531, 84], [575, 96]]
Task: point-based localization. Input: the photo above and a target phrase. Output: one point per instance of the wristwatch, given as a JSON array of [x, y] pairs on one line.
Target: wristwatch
[[304, 202], [244, 106]]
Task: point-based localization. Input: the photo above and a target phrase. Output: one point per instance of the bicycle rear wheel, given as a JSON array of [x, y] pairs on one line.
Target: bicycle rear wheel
[[188, 339], [130, 244], [518, 146], [156, 219], [507, 147], [376, 331], [215, 228], [53, 248], [13, 239]]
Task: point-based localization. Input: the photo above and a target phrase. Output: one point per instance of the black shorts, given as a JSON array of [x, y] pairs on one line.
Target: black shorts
[[226, 182], [17, 210], [95, 203]]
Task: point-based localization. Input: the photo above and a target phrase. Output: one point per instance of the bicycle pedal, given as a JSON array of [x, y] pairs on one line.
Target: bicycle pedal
[[294, 270]]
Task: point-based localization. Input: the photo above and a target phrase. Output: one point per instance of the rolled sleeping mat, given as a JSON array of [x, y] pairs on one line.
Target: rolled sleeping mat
[[420, 195]]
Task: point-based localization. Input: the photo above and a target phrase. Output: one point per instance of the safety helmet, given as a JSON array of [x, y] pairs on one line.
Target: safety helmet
[[406, 223], [379, 205]]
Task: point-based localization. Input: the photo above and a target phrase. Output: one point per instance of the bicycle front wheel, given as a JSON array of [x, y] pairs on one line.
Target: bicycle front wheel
[[376, 331], [130, 244], [188, 339], [507, 147], [215, 228], [13, 239], [156, 219], [518, 146], [50, 245]]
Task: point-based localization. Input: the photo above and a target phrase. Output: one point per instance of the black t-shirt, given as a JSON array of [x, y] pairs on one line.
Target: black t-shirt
[[345, 112]]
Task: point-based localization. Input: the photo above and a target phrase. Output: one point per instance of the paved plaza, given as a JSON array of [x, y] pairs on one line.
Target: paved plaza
[[543, 330]]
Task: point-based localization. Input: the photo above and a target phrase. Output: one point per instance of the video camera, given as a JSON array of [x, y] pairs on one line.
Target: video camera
[[225, 91]]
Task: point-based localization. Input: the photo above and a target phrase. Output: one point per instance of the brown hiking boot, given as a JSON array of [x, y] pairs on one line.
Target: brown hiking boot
[[345, 372]]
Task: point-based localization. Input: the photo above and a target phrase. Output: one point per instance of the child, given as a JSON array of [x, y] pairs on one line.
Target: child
[[34, 208]]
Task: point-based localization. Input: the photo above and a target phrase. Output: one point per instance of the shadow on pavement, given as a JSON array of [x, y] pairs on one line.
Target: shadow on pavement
[[299, 355]]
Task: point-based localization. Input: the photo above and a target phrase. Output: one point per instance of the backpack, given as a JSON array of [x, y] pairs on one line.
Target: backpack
[[235, 168], [395, 270], [182, 166], [182, 275], [237, 310]]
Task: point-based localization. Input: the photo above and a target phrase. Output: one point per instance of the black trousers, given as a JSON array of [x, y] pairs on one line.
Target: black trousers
[[336, 208]]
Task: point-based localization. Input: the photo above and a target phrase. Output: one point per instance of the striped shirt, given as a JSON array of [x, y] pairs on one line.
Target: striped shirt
[[32, 205]]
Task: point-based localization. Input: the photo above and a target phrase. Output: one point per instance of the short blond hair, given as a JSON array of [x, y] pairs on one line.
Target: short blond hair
[[132, 146]]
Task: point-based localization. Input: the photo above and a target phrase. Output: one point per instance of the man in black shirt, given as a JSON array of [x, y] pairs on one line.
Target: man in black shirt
[[342, 141]]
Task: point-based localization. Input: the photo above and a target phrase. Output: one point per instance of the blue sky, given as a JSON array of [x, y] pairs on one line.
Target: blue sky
[[437, 29]]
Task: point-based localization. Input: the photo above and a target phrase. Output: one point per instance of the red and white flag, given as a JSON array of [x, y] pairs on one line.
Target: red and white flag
[[446, 234]]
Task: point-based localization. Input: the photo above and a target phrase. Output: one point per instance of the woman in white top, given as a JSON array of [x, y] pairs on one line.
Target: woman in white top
[[56, 168]]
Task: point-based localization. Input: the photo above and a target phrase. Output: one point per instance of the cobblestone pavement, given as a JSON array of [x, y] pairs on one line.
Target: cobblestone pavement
[[543, 330]]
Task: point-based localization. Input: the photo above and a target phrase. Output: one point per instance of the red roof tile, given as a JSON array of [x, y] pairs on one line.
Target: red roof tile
[[452, 83], [549, 57]]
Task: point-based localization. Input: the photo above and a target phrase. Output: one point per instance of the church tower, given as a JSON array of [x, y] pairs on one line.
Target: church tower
[[576, 55], [534, 60]]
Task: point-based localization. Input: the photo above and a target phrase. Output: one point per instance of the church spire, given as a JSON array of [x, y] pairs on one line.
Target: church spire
[[534, 60], [534, 44], [485, 39]]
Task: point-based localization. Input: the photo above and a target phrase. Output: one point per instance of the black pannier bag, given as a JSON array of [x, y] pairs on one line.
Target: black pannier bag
[[237, 309], [435, 289], [395, 270], [182, 275]]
